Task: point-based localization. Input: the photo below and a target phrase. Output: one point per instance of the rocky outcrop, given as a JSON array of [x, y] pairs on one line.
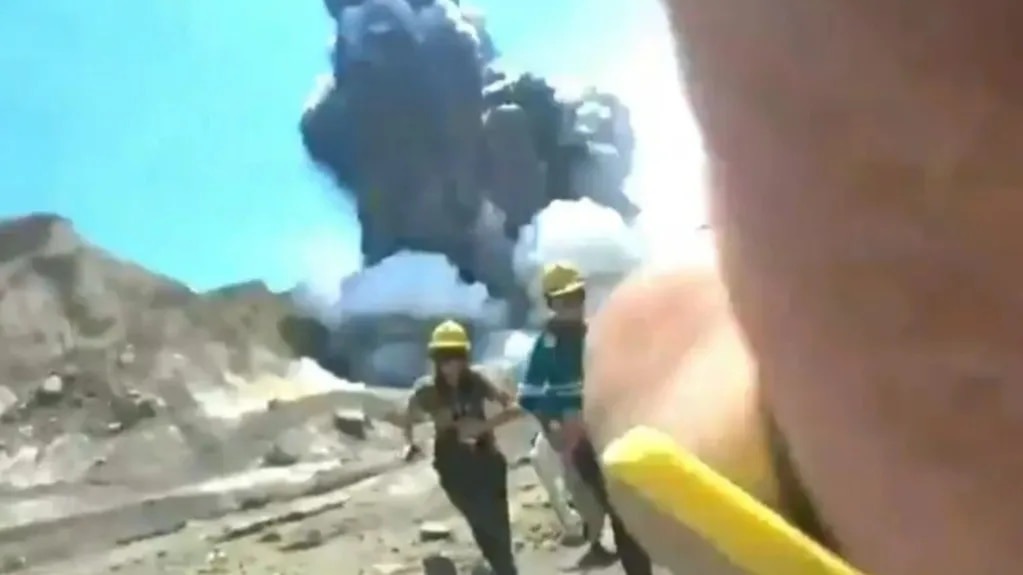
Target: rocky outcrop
[[445, 153], [110, 371], [131, 406]]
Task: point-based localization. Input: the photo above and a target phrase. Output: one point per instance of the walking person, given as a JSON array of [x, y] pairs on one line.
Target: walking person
[[581, 515], [552, 392], [471, 468]]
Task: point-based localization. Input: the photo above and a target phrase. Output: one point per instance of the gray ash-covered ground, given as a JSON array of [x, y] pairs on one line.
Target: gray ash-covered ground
[[140, 422], [398, 522]]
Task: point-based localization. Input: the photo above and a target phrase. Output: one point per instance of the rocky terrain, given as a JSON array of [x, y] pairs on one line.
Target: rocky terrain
[[146, 428], [97, 353], [394, 522]]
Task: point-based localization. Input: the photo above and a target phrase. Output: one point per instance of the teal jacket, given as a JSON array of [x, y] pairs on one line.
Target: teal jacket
[[552, 385]]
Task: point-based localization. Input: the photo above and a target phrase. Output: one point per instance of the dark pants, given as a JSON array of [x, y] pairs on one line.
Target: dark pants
[[633, 558], [475, 479]]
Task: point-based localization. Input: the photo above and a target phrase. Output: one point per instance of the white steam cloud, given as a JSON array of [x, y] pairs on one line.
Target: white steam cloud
[[667, 183]]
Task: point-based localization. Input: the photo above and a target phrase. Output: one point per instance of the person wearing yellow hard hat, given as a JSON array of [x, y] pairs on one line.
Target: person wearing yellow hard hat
[[552, 385], [552, 392], [471, 468]]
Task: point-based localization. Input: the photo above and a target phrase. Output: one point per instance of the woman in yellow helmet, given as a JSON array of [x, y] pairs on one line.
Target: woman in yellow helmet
[[472, 470]]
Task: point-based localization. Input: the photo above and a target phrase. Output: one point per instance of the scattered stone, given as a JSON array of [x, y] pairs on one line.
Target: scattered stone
[[304, 539], [216, 559], [433, 531], [481, 568], [152, 533], [127, 356], [133, 408], [13, 563], [439, 565], [277, 456], [146, 407], [8, 401], [11, 414], [254, 501], [51, 391], [305, 536], [270, 537], [351, 422], [298, 512], [392, 569]]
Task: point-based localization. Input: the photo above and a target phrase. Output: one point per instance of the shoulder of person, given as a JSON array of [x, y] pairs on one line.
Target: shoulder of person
[[482, 371], [498, 381], [545, 340], [481, 374], [485, 377], [423, 381], [495, 373], [422, 387]]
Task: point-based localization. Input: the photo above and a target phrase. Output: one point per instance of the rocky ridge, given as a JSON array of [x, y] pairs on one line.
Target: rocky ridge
[[146, 428], [103, 364]]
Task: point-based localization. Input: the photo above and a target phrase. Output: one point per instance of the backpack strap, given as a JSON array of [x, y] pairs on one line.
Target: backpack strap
[[796, 504]]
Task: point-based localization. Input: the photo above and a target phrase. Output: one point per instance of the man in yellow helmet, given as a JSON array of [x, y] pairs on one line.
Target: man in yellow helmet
[[552, 392], [472, 470]]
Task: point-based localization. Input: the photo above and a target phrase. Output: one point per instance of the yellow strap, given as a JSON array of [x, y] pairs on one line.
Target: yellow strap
[[747, 532]]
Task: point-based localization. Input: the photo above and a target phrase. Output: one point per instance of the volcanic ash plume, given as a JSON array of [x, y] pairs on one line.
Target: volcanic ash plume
[[442, 151]]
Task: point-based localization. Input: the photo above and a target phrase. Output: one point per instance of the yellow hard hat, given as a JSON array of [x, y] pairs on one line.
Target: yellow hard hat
[[449, 335], [561, 279]]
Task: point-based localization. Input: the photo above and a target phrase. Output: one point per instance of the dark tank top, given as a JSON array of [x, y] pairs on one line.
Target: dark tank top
[[468, 400]]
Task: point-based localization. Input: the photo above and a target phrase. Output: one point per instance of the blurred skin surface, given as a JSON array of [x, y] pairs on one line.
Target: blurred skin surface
[[867, 186]]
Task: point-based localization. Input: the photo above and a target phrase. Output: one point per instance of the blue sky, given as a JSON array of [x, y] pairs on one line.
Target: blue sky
[[166, 129]]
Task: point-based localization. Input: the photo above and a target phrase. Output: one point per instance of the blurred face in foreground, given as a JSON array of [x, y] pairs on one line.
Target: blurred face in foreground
[[867, 194]]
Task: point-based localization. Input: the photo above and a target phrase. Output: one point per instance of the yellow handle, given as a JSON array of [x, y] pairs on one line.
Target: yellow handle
[[747, 532]]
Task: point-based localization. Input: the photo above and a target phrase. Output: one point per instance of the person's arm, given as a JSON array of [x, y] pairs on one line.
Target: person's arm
[[413, 411], [537, 370], [510, 409], [536, 364]]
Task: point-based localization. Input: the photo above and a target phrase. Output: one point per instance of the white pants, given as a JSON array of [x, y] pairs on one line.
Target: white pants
[[563, 484]]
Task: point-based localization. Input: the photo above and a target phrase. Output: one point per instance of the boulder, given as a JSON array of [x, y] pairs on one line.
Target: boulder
[[279, 456], [51, 390], [351, 422], [435, 531], [8, 401]]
